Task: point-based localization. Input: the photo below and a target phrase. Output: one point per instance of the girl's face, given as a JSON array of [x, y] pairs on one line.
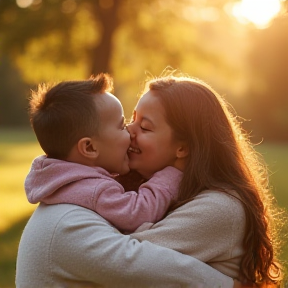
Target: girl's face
[[153, 146]]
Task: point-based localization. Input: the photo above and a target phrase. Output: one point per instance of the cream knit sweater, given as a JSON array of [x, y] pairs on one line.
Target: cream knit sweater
[[210, 228], [70, 246]]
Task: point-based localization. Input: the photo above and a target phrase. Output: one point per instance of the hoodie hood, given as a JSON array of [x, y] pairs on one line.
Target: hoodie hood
[[48, 175]]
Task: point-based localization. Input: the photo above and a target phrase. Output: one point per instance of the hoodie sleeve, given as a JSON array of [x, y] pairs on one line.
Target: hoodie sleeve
[[53, 181], [128, 210]]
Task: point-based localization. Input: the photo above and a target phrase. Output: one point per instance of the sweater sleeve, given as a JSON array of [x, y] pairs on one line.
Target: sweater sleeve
[[86, 246], [209, 228], [128, 210]]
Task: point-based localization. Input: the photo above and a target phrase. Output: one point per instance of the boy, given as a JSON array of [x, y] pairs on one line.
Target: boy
[[81, 128]]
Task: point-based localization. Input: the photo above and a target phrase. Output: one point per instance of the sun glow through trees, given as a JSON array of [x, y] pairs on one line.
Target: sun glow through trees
[[258, 12]]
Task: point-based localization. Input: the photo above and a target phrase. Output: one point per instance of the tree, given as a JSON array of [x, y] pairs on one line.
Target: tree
[[18, 26], [65, 39], [13, 94], [122, 37], [268, 87], [107, 14]]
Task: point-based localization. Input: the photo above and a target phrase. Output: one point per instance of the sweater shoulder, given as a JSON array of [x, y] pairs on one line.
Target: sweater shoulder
[[220, 198], [225, 206]]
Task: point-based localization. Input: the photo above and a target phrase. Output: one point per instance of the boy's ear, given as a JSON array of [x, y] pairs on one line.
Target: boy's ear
[[182, 151], [87, 148]]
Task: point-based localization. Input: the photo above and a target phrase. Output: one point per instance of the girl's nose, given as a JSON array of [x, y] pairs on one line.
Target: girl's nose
[[131, 130]]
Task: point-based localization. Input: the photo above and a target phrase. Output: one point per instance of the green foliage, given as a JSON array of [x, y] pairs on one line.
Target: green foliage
[[9, 242], [276, 157], [17, 149], [13, 94], [20, 25]]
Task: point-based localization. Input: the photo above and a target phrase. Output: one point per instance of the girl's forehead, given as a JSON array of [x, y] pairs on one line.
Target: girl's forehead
[[149, 107], [148, 101]]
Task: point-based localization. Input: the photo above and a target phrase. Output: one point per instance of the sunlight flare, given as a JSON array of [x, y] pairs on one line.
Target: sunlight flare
[[24, 3], [258, 12]]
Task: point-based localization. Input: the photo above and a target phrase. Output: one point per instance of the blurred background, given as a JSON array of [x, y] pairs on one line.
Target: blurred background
[[239, 47]]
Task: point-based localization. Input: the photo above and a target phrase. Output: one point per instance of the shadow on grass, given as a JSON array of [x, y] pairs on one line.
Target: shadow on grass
[[9, 241]]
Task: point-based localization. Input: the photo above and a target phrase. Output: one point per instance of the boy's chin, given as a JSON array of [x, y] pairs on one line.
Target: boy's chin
[[124, 171]]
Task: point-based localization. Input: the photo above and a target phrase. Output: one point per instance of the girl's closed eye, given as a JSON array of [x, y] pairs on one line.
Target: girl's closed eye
[[146, 125], [144, 128]]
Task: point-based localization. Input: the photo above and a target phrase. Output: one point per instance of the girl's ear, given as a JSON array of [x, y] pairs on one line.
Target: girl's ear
[[182, 151], [87, 148]]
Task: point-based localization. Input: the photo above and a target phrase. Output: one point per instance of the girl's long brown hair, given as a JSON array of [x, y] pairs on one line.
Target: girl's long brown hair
[[221, 157]]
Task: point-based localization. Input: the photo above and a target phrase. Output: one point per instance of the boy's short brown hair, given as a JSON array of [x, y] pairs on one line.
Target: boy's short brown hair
[[63, 114]]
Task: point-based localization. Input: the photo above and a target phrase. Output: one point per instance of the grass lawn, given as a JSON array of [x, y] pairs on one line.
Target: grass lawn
[[17, 150]]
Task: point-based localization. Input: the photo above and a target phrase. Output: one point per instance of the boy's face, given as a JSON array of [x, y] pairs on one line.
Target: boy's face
[[113, 140]]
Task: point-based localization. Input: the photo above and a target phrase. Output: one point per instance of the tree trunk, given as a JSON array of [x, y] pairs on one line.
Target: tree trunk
[[100, 55]]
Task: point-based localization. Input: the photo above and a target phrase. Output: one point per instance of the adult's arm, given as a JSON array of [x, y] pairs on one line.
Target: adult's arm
[[128, 210], [210, 228], [105, 256], [93, 188], [70, 245]]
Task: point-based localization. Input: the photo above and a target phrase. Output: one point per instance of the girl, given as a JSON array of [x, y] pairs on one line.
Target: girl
[[223, 214]]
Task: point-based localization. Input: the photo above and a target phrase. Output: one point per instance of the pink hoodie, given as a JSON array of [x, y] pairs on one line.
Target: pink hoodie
[[55, 181]]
